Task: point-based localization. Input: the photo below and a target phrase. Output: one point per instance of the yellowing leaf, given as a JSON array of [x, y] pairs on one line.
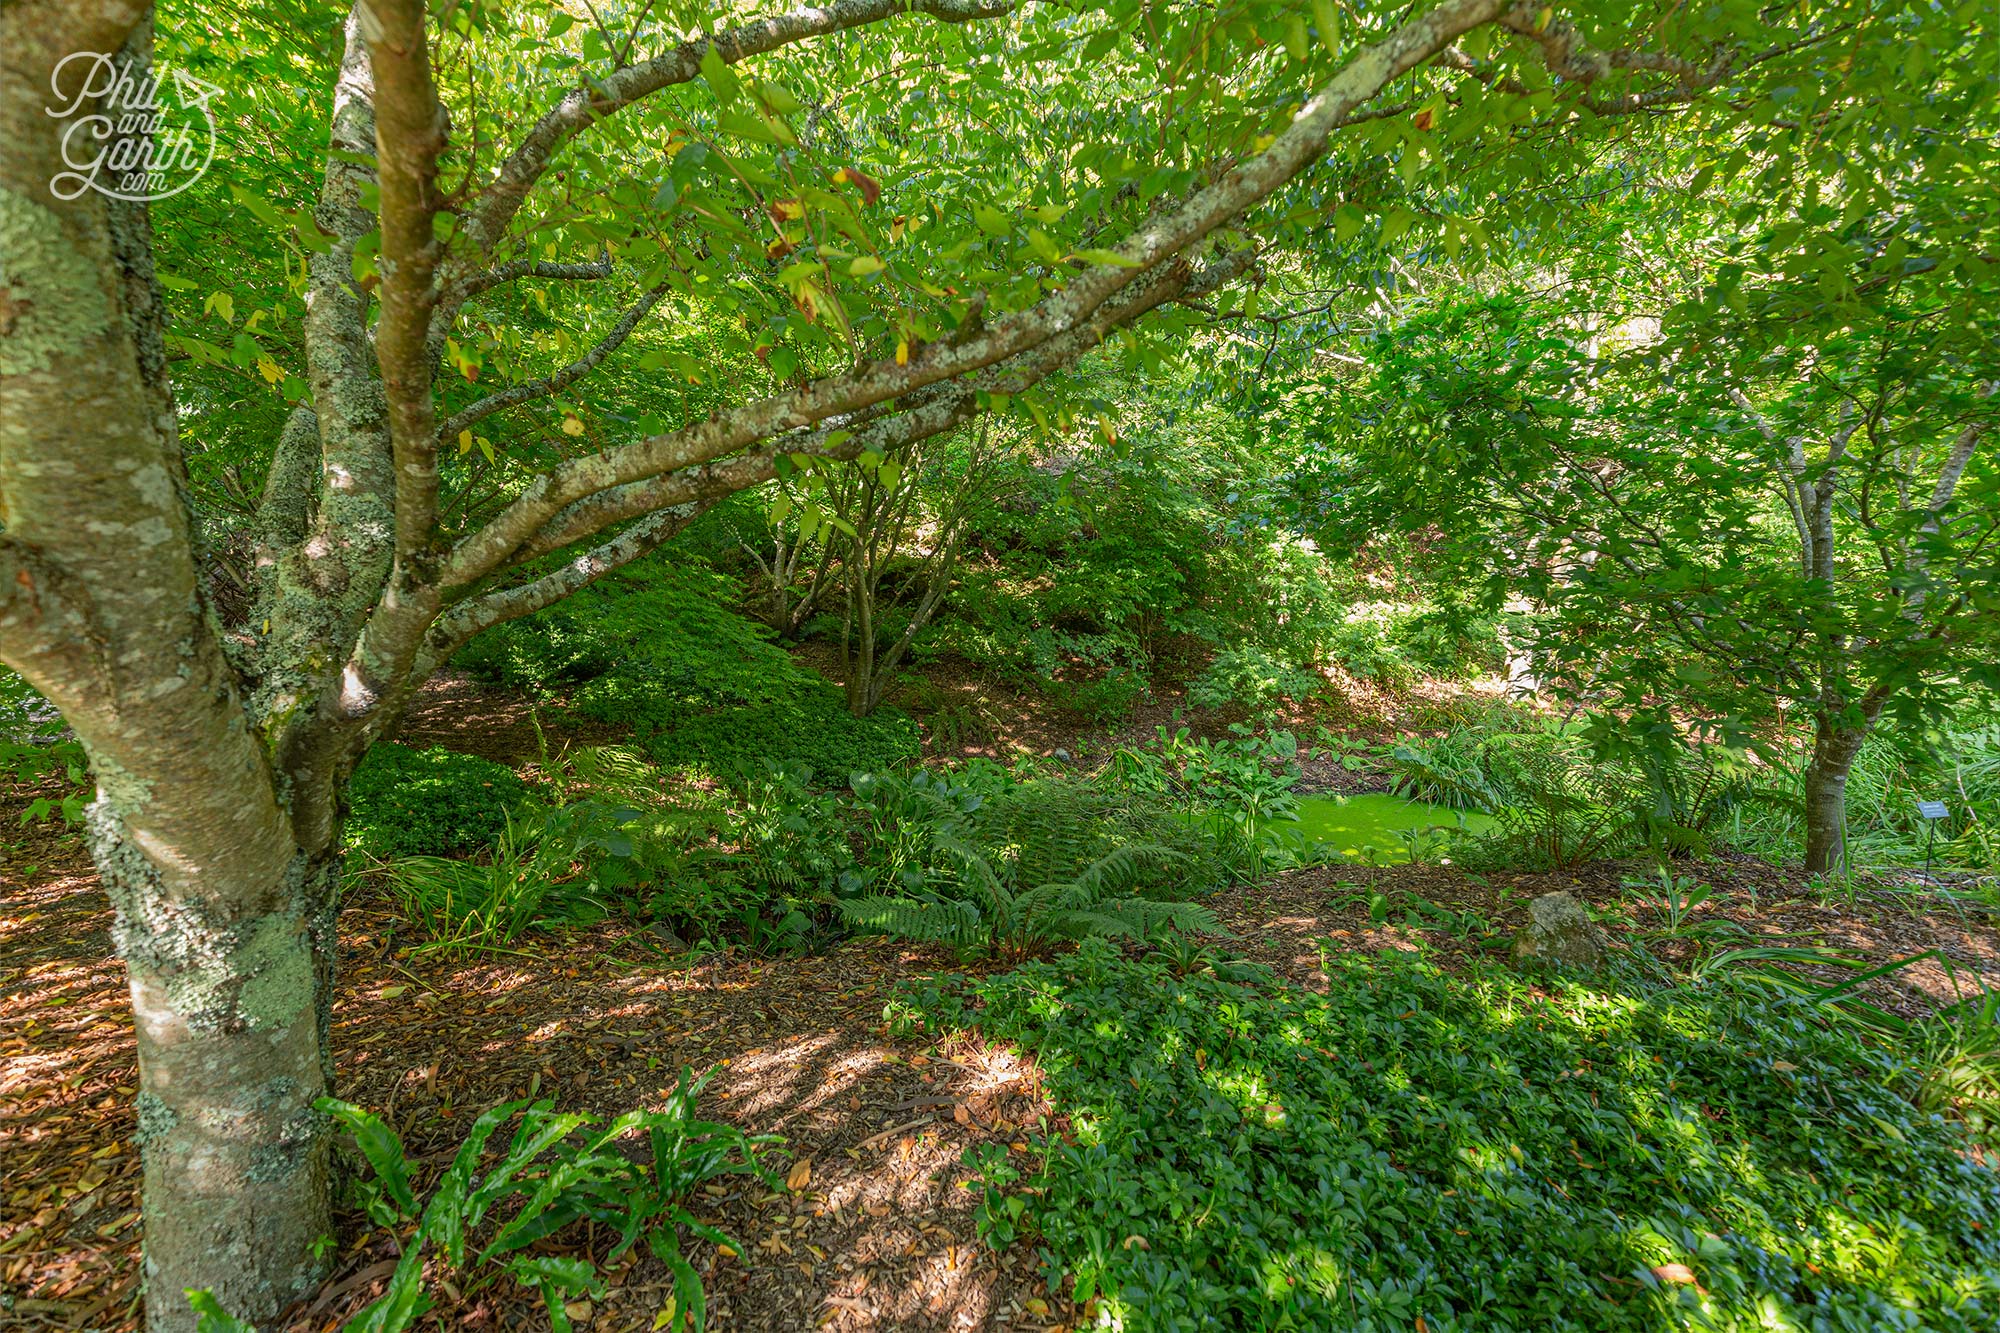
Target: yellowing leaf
[[866, 265], [465, 442], [269, 369], [902, 351], [572, 426]]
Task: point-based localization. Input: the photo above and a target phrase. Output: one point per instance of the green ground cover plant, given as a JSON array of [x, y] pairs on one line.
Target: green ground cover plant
[[493, 1212], [1476, 1153], [432, 802], [36, 747], [660, 648]]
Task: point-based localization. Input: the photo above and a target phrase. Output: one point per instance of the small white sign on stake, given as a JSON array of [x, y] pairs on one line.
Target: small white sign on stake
[[1933, 810]]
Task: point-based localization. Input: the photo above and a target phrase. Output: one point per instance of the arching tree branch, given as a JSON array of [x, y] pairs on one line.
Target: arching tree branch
[[487, 221], [1160, 242], [559, 380]]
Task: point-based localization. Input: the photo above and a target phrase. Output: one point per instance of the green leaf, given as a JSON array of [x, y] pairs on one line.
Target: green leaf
[[213, 1318], [379, 1144], [991, 220], [1327, 19], [720, 77]]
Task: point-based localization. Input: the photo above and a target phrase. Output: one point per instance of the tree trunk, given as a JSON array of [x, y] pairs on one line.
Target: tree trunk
[[223, 921], [232, 1018], [1834, 749]]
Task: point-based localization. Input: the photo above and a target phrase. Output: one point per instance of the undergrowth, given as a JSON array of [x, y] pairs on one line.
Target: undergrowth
[[658, 648], [435, 802], [1414, 1150]]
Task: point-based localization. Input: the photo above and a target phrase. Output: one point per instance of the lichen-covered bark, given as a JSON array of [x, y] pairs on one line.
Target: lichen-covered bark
[[232, 1012], [218, 915]]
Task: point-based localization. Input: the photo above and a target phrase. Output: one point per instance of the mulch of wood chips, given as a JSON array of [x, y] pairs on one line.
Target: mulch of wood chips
[[1283, 922], [878, 1235]]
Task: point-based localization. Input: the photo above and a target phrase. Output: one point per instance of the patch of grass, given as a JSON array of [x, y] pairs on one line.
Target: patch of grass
[[1476, 1154], [1371, 826]]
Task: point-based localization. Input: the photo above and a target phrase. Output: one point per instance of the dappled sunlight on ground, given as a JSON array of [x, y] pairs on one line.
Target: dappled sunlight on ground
[[1282, 923], [878, 1235]]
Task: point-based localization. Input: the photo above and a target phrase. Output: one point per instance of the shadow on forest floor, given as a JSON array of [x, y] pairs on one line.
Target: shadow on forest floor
[[881, 1233]]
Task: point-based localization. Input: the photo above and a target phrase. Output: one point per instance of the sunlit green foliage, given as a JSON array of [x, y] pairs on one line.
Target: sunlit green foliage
[[659, 649], [1478, 1153]]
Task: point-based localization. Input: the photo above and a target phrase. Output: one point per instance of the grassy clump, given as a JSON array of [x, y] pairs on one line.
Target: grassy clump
[[433, 802], [1482, 1154]]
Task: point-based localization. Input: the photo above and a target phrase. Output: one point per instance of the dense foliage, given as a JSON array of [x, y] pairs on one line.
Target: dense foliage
[[433, 802], [1260, 369], [657, 649], [1473, 1153]]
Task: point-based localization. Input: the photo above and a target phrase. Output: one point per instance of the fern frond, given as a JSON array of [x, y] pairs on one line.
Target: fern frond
[[1124, 868], [908, 918], [1134, 917], [975, 870]]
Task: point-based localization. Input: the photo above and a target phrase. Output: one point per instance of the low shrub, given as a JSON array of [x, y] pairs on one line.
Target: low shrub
[[1397, 643], [1239, 790], [665, 625], [37, 751], [1106, 700], [657, 648], [810, 729], [1253, 680], [1412, 1149], [434, 802]]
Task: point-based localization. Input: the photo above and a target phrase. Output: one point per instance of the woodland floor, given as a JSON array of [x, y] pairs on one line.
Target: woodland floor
[[878, 1234]]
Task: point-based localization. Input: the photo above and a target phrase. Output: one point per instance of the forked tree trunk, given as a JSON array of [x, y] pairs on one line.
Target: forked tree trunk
[[223, 919]]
